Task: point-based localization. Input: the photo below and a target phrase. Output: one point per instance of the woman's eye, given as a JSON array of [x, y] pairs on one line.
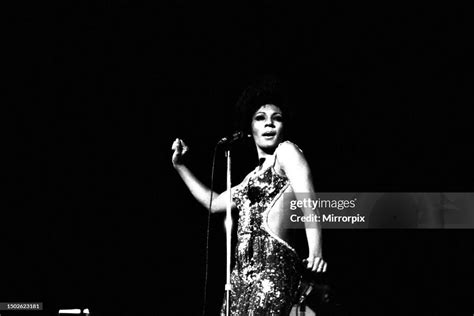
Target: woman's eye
[[259, 117], [278, 118]]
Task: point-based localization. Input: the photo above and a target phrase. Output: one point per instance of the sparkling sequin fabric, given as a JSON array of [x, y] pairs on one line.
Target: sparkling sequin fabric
[[267, 270]]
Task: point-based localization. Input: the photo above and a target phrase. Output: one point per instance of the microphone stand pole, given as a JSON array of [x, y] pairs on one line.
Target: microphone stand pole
[[228, 227]]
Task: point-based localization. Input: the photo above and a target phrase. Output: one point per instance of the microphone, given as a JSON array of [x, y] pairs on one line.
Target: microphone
[[233, 138]]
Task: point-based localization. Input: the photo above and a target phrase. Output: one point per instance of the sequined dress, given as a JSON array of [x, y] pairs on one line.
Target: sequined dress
[[267, 271]]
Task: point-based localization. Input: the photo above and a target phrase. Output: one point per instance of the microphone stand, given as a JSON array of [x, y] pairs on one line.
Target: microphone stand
[[228, 227], [227, 141]]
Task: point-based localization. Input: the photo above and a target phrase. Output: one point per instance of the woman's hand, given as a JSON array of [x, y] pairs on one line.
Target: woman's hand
[[315, 264], [179, 149]]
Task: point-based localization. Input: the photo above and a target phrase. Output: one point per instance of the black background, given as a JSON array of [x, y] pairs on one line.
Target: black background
[[96, 216]]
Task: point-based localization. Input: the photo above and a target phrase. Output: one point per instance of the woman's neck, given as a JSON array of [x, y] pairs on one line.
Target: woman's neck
[[264, 156]]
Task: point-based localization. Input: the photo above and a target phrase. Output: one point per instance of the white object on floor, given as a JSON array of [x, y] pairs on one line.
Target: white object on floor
[[70, 311], [307, 312]]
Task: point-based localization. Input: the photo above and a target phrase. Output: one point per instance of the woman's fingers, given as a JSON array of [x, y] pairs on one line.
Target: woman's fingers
[[179, 146], [325, 267], [176, 144], [179, 149], [183, 146], [316, 264], [321, 266]]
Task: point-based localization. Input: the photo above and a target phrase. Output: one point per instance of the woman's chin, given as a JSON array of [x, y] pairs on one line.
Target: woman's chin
[[268, 145]]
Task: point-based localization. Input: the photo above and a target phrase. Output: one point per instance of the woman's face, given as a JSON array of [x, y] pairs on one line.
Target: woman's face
[[267, 126]]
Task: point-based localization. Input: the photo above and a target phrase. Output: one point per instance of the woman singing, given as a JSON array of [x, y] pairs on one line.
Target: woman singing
[[268, 271]]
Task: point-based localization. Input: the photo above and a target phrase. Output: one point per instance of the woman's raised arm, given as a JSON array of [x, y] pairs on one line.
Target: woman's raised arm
[[200, 192]]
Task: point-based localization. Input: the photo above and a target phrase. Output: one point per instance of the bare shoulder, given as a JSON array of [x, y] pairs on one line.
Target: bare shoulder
[[290, 159], [288, 152]]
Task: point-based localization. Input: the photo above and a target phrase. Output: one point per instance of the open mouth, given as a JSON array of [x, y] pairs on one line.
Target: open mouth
[[269, 134]]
